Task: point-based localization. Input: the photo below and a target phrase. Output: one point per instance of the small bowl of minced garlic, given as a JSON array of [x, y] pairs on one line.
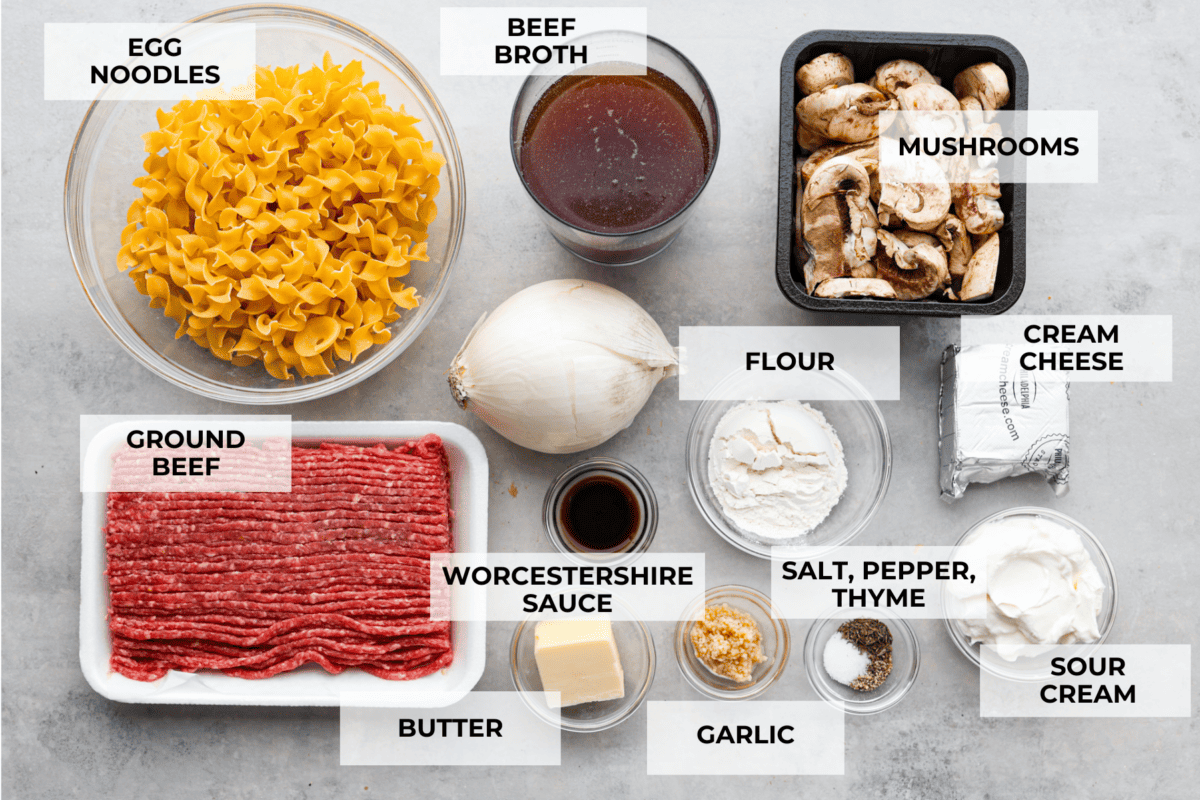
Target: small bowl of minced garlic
[[862, 660], [731, 643]]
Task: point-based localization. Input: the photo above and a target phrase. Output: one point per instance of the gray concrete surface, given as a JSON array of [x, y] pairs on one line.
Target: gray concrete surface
[[1124, 245]]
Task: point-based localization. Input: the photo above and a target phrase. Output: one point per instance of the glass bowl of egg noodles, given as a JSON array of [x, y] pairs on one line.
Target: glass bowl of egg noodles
[[229, 361]]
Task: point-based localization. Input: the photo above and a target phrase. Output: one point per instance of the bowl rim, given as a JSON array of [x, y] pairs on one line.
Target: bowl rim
[[783, 637], [874, 705], [696, 448], [971, 651], [188, 379], [714, 148], [563, 723]]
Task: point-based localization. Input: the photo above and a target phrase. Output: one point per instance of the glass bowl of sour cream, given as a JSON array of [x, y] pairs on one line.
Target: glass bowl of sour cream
[[1032, 552]]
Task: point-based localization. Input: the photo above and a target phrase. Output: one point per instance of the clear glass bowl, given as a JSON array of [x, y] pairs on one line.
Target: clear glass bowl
[[1037, 667], [776, 643], [906, 662], [647, 505], [608, 47], [635, 646], [108, 154], [865, 442]]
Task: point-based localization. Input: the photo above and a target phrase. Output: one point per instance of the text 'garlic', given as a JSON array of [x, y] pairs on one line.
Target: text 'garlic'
[[561, 366]]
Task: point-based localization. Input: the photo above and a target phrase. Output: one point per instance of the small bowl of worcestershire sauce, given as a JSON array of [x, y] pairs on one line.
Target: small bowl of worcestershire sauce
[[601, 511], [616, 153]]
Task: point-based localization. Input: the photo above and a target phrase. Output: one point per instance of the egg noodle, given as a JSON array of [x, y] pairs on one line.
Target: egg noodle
[[278, 229]]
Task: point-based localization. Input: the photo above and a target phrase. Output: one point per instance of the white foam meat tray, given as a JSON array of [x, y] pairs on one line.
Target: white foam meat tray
[[309, 685]]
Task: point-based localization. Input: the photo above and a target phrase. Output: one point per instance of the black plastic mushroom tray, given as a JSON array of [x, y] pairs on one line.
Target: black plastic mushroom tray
[[944, 55]]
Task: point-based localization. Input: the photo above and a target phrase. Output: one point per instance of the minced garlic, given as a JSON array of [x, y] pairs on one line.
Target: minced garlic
[[728, 642]]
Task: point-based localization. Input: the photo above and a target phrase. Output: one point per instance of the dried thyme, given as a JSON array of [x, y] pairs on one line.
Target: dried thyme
[[873, 638]]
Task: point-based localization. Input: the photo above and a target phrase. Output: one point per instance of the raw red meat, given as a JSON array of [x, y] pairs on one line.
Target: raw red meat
[[334, 573]]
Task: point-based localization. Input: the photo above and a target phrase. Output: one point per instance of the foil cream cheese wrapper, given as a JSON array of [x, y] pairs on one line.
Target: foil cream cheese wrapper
[[997, 420]]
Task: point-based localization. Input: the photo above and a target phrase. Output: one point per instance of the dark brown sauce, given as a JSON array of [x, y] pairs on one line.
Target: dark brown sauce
[[615, 153], [600, 514]]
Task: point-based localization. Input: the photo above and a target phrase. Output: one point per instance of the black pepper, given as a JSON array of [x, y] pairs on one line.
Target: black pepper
[[874, 639]]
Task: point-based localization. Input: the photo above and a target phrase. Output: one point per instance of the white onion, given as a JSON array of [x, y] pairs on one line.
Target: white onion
[[561, 366]]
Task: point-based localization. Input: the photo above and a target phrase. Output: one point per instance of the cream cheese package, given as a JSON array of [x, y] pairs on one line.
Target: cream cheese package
[[997, 420]]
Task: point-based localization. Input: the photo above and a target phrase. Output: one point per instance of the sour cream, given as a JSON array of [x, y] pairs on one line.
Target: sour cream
[[1042, 587]]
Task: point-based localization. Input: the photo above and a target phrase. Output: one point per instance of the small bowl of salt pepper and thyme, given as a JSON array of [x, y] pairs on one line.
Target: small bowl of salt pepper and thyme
[[865, 664]]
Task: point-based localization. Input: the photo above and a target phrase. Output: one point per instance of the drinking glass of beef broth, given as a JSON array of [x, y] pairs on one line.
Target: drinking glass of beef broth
[[616, 153]]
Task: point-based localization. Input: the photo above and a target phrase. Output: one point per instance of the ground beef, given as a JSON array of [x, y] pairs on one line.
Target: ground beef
[[333, 573]]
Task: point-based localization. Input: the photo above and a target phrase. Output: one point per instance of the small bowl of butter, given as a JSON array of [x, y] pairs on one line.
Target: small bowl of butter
[[583, 675]]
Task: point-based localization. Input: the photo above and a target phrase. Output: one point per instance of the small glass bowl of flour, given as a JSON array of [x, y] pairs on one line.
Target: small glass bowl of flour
[[769, 473]]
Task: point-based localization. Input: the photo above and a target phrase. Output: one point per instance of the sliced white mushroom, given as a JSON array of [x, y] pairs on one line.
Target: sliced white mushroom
[[980, 279], [979, 128], [809, 270], [977, 201], [927, 97], [865, 153], [922, 247], [987, 83], [856, 287], [900, 74], [824, 71], [798, 216], [847, 113], [973, 112], [809, 141], [916, 192], [952, 234], [931, 112], [914, 272], [839, 222]]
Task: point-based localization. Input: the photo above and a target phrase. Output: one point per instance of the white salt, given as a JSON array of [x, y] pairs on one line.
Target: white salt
[[843, 660]]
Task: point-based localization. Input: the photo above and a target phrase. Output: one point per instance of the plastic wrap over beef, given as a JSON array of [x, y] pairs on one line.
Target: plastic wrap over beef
[[997, 420]]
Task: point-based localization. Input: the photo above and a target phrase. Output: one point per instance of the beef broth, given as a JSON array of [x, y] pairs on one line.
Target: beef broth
[[615, 153]]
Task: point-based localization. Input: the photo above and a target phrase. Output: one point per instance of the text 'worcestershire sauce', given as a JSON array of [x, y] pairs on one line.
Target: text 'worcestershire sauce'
[[615, 153], [600, 514]]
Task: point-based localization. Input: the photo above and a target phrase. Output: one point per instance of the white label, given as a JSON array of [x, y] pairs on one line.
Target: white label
[[990, 147], [185, 453], [1110, 680], [908, 581], [520, 586], [482, 729], [706, 737], [1080, 347], [150, 61], [515, 41], [778, 363]]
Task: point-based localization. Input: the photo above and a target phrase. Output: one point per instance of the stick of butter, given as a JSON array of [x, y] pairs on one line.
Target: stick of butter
[[578, 658]]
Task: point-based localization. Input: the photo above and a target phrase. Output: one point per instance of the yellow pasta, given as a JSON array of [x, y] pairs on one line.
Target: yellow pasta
[[278, 229]]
